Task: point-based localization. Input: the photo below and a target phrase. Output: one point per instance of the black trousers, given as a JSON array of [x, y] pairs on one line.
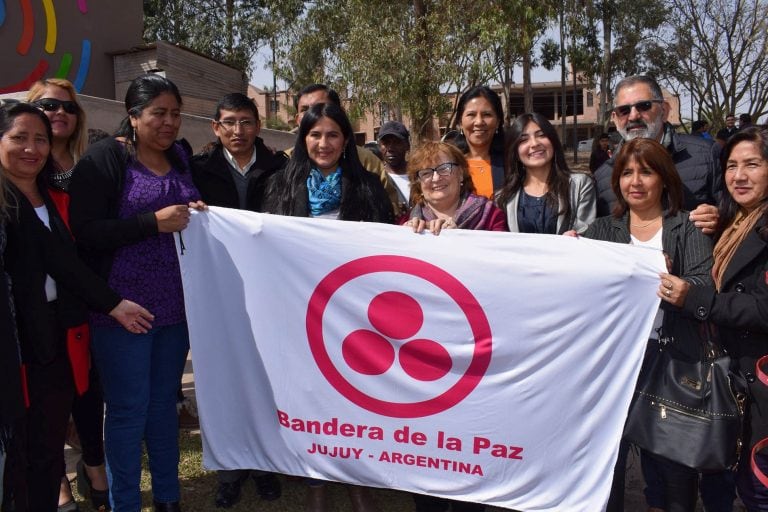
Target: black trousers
[[434, 504], [33, 466], [88, 413]]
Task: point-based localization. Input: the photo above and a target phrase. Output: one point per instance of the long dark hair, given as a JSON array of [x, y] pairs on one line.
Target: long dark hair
[[497, 144], [559, 179], [142, 91], [652, 154], [728, 206], [297, 169]]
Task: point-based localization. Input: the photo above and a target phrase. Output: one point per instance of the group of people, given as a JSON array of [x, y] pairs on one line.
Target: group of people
[[92, 309]]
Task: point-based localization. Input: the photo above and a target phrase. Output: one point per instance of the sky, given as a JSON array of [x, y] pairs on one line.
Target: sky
[[261, 77]]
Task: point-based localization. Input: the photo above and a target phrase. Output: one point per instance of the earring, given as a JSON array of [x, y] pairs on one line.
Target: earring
[[133, 136], [344, 154]]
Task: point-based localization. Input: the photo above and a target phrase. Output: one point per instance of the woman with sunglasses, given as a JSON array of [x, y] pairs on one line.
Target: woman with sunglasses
[[443, 194], [541, 194], [57, 98]]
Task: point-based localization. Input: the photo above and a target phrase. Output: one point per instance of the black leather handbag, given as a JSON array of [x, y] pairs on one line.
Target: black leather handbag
[[688, 408]]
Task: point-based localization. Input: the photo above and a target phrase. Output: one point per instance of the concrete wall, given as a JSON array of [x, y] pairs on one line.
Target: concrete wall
[[71, 40], [107, 114]]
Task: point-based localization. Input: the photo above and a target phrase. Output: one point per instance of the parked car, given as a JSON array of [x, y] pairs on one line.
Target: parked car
[[585, 146]]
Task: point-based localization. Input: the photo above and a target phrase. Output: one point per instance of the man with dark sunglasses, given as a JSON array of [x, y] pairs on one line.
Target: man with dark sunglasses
[[641, 111]]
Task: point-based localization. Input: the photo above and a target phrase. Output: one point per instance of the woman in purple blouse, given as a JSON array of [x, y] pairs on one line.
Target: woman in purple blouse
[[129, 194]]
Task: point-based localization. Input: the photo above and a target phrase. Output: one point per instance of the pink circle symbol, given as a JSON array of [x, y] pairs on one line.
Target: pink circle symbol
[[425, 360], [396, 315], [368, 352], [452, 287]]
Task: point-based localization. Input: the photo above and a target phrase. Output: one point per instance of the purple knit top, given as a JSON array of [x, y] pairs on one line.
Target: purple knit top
[[148, 272]]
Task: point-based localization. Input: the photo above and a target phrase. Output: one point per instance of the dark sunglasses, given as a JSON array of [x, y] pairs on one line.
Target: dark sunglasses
[[53, 105], [641, 106]]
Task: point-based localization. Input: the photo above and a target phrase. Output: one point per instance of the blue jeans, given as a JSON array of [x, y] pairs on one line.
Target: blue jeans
[[140, 375]]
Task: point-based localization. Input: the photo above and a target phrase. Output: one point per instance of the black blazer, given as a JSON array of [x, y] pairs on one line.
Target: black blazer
[[740, 309], [213, 178], [34, 252]]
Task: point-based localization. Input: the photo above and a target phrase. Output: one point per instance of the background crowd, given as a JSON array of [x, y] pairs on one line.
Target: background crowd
[[92, 309]]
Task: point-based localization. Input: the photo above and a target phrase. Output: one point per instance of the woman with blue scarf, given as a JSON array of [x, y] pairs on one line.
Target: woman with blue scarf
[[325, 179]]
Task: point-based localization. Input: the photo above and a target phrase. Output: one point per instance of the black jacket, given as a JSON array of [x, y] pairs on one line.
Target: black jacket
[[740, 311], [695, 164], [363, 198], [95, 192], [34, 252], [213, 178]]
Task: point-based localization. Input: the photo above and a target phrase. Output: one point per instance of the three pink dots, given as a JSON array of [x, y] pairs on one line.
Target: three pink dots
[[395, 316]]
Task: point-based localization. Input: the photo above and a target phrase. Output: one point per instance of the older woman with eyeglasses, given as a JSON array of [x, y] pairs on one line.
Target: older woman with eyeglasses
[[443, 194]]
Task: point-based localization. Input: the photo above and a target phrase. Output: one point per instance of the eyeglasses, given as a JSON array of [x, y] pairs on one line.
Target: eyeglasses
[[445, 169], [53, 105], [229, 124], [641, 106]]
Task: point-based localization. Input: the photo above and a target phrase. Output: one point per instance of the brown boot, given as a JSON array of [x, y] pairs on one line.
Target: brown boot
[[361, 499], [316, 498]]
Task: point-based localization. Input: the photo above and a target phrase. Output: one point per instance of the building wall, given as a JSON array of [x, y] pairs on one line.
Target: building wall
[[201, 81], [71, 40]]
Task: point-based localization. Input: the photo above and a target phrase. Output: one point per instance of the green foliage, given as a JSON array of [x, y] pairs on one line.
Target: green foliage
[[405, 53], [230, 31], [274, 123]]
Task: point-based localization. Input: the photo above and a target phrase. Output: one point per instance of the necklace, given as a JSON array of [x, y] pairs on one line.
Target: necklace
[[646, 224]]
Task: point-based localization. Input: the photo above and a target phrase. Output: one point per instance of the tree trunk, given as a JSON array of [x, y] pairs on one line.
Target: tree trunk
[[605, 68], [527, 87], [422, 113]]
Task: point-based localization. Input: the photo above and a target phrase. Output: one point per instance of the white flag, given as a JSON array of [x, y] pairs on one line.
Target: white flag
[[480, 366]]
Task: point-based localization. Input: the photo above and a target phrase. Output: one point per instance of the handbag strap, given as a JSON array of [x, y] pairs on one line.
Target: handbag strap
[[762, 477]]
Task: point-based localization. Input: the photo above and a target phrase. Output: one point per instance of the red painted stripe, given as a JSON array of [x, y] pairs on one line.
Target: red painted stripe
[[35, 75], [28, 28]]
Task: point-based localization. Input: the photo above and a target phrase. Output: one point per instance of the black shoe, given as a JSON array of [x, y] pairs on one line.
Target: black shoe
[[268, 486], [167, 507], [228, 494]]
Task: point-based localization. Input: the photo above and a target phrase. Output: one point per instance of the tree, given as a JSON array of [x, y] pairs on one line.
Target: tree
[[230, 31], [718, 51], [404, 54]]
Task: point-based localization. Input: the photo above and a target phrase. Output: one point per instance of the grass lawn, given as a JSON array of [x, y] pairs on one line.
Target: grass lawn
[[198, 487]]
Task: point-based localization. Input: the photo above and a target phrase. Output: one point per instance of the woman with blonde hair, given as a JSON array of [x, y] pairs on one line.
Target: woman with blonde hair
[[57, 98]]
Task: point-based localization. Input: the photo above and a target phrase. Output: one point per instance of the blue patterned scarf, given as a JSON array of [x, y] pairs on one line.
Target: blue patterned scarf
[[324, 193]]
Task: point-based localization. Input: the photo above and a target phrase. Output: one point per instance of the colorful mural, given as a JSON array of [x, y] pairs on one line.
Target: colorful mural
[[68, 39]]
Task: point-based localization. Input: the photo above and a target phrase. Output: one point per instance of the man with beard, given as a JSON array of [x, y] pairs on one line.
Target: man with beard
[[394, 143], [642, 111]]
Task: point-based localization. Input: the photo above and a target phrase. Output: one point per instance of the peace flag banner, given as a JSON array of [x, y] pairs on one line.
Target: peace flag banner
[[480, 366]]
